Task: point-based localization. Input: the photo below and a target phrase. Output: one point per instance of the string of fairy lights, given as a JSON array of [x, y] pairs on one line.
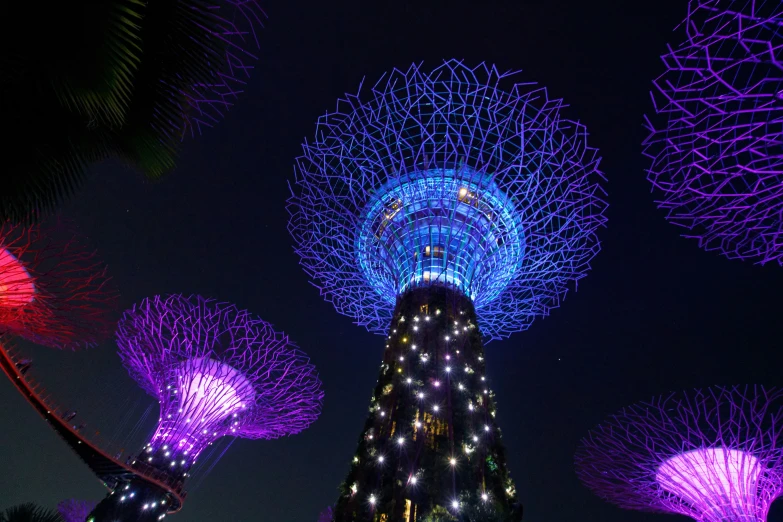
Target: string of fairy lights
[[459, 381]]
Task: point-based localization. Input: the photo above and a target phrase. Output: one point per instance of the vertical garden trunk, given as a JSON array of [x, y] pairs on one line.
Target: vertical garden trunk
[[430, 449]]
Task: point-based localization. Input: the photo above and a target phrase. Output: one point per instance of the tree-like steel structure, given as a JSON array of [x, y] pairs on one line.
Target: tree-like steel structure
[[216, 371], [53, 290], [73, 510], [715, 455], [716, 142], [437, 202], [133, 81]]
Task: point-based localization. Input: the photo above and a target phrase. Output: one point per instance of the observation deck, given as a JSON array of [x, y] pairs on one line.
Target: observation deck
[[109, 470], [440, 226]]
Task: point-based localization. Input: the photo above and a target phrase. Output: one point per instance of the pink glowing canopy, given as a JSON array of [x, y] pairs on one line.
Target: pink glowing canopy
[[53, 289], [16, 285], [715, 455], [721, 477]]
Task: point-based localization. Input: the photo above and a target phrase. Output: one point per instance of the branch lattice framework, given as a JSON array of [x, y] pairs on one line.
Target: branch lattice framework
[[714, 454], [233, 25], [53, 290], [716, 142], [216, 371], [470, 163]]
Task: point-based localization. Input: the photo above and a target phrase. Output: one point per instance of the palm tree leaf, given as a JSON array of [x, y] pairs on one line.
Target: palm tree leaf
[[46, 157], [29, 512], [86, 53], [190, 48]]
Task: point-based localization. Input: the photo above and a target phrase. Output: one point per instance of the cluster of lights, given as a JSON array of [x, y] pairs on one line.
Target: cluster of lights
[[421, 395]]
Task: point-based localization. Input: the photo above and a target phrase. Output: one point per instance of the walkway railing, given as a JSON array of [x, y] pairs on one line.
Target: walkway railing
[[108, 469]]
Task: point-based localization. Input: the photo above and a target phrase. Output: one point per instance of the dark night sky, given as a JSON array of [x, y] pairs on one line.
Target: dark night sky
[[655, 314]]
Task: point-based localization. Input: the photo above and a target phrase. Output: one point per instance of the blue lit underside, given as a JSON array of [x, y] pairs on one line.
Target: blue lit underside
[[440, 226]]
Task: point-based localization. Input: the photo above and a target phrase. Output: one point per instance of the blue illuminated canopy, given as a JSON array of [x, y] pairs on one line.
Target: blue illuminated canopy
[[440, 226], [445, 177]]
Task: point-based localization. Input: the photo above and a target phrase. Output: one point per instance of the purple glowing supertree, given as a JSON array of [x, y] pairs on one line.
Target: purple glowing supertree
[[716, 144], [715, 455], [216, 371], [436, 202], [73, 510]]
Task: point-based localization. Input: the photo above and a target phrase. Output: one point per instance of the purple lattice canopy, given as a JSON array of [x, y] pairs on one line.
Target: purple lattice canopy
[[216, 371], [716, 144], [75, 510], [715, 455], [444, 177], [237, 22]]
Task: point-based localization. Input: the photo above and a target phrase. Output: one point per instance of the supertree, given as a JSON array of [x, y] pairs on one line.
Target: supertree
[[216, 371], [716, 142], [73, 510], [715, 455], [53, 290], [114, 77], [437, 202]]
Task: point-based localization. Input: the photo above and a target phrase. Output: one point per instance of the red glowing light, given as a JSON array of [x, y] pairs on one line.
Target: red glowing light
[[16, 285]]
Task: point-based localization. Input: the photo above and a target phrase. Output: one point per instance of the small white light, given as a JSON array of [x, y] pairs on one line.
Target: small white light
[[421, 395], [402, 358], [486, 428], [484, 497], [400, 441], [381, 459], [372, 499], [448, 369], [435, 408], [475, 439], [455, 504], [418, 424], [409, 380], [413, 479], [436, 383], [453, 461]]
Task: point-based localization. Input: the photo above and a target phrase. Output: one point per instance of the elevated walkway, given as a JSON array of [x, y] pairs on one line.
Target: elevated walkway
[[108, 469]]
